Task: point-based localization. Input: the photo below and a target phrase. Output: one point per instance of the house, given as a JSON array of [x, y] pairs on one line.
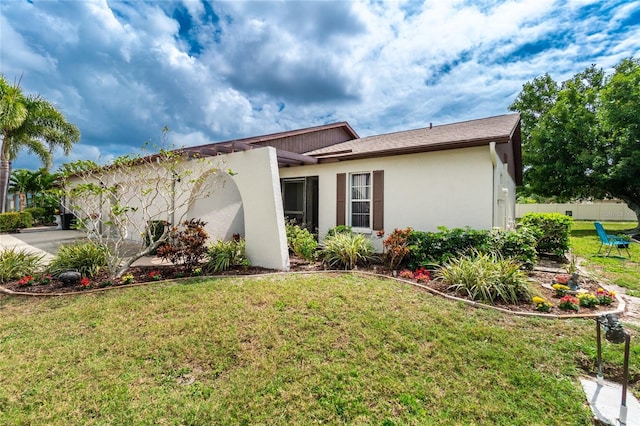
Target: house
[[453, 175]]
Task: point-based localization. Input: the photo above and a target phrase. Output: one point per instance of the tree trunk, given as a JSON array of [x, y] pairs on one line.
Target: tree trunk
[[22, 199], [5, 172]]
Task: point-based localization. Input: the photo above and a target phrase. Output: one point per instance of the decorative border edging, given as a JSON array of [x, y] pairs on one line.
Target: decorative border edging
[[619, 310]]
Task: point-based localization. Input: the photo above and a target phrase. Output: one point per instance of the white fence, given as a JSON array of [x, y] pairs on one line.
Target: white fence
[[609, 211]]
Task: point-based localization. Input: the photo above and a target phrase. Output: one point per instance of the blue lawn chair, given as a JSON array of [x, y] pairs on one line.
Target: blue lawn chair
[[611, 240]]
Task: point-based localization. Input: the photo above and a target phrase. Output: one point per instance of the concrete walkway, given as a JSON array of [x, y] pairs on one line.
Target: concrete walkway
[[45, 241]]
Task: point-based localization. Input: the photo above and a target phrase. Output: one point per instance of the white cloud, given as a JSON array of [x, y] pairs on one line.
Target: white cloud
[[122, 70]]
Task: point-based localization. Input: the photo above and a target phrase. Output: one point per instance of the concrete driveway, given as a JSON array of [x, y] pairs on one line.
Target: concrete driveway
[[44, 241]]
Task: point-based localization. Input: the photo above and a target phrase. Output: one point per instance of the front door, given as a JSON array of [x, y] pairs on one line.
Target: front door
[[300, 201]]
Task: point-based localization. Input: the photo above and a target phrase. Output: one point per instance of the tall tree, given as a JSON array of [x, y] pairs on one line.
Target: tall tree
[[22, 183], [33, 123], [581, 139]]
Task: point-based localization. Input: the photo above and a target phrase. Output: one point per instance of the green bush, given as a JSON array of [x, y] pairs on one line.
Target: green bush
[[485, 277], [40, 215], [552, 229], [16, 264], [223, 255], [26, 220], [10, 221], [88, 258], [427, 248], [301, 241], [347, 250], [340, 229], [519, 245]]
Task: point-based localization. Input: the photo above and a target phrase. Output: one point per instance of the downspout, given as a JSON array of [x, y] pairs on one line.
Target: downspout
[[494, 155]]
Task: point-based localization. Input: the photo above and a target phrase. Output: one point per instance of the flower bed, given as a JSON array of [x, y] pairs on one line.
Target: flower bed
[[547, 299]]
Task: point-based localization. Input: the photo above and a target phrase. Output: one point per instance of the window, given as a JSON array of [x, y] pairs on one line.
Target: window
[[360, 201]]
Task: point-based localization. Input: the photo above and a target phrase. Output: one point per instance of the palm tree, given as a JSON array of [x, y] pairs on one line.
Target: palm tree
[[22, 182], [33, 123], [43, 181]]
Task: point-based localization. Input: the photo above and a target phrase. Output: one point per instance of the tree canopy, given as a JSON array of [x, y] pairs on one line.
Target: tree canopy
[[581, 138], [33, 123]]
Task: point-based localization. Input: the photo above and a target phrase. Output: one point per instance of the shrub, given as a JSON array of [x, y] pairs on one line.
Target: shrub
[[340, 229], [15, 264], [40, 215], [301, 241], [88, 258], [438, 247], [552, 231], [26, 220], [427, 248], [186, 246], [347, 250], [10, 221], [519, 245], [396, 247], [486, 277], [223, 255]]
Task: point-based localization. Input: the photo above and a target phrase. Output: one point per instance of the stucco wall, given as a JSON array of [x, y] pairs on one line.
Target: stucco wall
[[248, 202], [444, 188]]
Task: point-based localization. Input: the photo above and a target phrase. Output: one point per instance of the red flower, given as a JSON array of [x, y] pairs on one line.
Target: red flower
[[85, 282], [155, 275], [26, 280]]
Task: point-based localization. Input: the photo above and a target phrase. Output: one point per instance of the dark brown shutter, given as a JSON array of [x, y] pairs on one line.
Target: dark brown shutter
[[378, 200], [341, 200]]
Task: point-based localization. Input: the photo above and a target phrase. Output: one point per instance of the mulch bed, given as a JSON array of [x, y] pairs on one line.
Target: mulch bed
[[143, 274]]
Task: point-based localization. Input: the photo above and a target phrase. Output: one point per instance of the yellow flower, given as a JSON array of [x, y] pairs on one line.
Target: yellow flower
[[537, 300]]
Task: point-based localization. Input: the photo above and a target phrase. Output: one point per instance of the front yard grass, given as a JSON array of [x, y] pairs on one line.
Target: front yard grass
[[287, 349], [617, 270]]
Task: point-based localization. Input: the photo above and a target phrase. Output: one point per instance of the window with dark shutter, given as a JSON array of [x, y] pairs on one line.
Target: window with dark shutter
[[378, 200], [341, 200]]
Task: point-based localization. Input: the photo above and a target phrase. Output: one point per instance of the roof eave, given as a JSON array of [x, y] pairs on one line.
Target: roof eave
[[344, 155]]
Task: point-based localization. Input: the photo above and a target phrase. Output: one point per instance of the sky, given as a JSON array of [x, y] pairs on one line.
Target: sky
[[215, 71]]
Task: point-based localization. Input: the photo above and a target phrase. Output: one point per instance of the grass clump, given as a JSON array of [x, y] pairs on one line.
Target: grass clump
[[346, 250], [486, 277], [15, 264], [224, 255], [88, 258]]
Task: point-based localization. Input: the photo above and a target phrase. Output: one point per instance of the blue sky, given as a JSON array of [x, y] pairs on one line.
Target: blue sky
[[214, 71]]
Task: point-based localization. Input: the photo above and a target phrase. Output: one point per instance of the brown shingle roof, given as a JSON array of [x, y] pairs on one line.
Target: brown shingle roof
[[497, 129]]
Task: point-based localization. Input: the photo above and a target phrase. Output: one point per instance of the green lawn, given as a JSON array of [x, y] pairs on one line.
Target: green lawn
[[618, 270], [295, 349]]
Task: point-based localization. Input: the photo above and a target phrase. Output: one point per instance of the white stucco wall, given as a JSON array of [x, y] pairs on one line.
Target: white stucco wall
[[451, 188], [504, 194], [257, 179], [248, 203]]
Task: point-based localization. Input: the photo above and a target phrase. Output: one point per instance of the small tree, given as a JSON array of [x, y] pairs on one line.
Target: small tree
[[118, 202]]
